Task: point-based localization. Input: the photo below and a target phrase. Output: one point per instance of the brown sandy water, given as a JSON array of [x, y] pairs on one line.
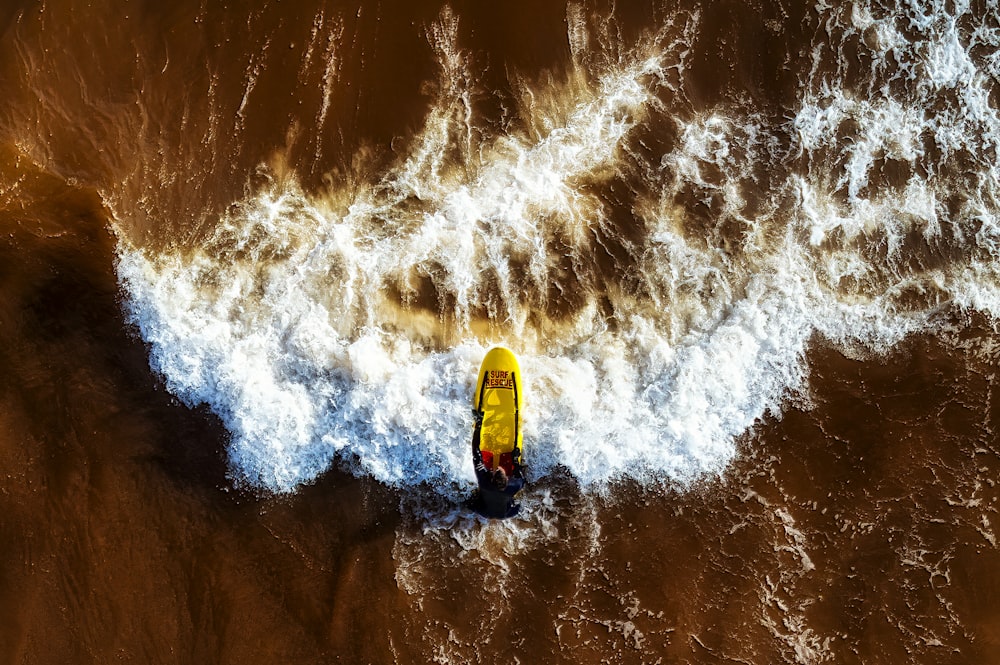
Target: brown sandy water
[[855, 523]]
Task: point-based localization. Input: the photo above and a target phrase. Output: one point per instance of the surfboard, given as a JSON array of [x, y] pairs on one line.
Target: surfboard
[[498, 402], [497, 438]]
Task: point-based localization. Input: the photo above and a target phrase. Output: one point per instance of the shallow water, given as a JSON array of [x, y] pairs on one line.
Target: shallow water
[[252, 258]]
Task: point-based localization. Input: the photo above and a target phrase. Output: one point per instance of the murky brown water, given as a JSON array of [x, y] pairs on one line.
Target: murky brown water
[[831, 499]]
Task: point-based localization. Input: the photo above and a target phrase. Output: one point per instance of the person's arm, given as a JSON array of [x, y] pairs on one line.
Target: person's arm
[[477, 456], [519, 468], [514, 485], [482, 473]]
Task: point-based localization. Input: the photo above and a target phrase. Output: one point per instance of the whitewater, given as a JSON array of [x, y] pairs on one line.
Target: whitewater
[[345, 326]]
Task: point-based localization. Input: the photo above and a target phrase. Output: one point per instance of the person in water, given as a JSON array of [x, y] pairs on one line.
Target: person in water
[[497, 487], [497, 479]]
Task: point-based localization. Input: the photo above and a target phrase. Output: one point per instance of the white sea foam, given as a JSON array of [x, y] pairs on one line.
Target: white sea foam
[[304, 321]]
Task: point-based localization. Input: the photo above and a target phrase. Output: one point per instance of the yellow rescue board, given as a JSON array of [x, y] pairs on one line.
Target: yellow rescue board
[[499, 398]]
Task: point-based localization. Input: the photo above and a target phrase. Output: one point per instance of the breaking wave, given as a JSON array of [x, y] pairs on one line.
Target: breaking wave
[[656, 323]]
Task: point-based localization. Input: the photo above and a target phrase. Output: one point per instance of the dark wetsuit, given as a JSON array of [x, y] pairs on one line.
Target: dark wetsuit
[[497, 502]]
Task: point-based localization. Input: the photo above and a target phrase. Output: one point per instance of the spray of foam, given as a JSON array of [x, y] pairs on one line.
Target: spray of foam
[[300, 320], [907, 223]]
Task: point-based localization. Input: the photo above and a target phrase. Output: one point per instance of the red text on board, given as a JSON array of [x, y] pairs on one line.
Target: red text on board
[[499, 378]]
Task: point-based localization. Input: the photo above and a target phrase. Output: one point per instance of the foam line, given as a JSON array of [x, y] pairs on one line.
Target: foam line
[[303, 321]]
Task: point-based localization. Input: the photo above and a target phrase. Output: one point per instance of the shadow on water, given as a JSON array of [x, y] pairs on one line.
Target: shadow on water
[[124, 536]]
